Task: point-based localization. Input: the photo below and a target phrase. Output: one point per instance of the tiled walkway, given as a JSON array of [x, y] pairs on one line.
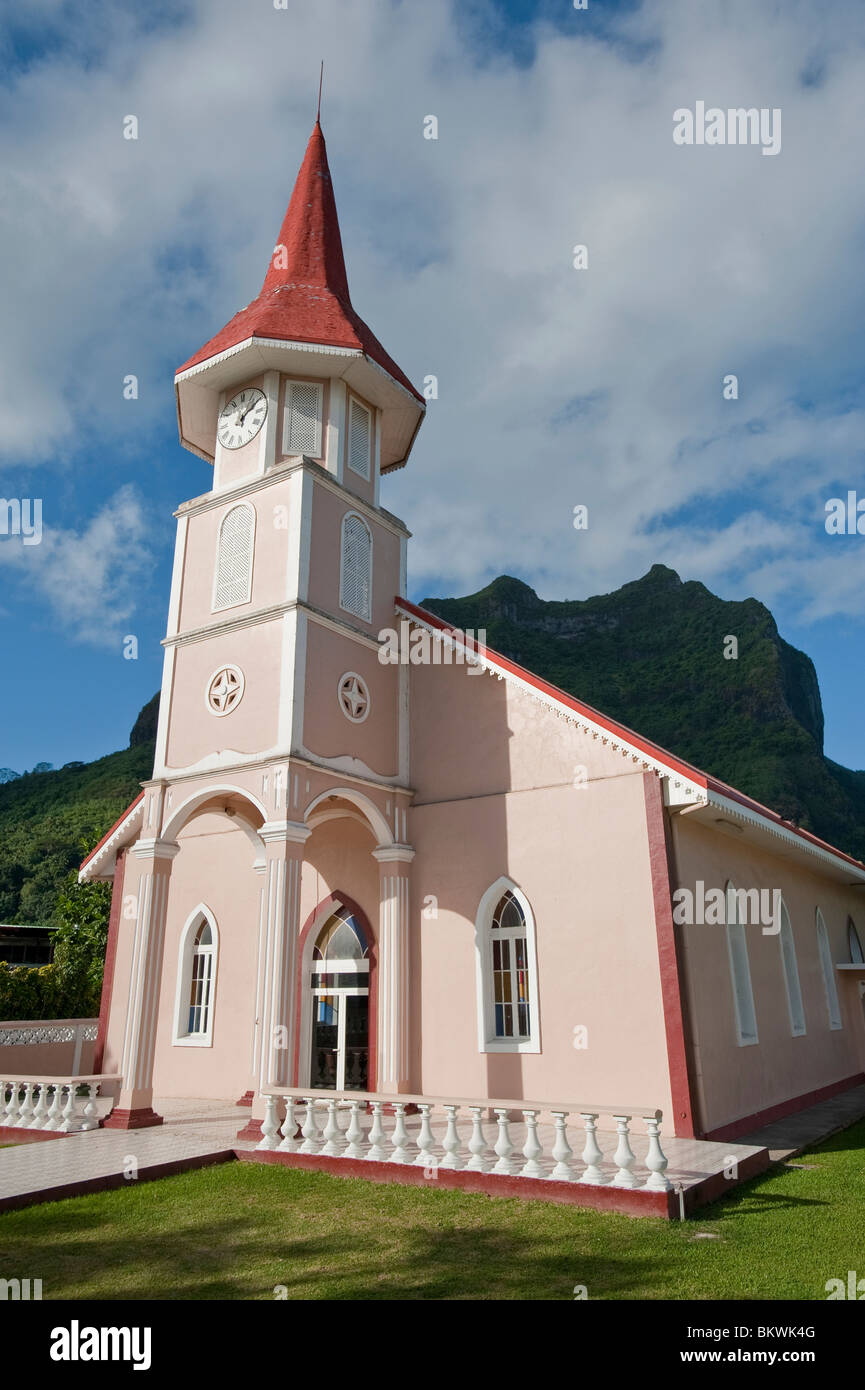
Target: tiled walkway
[[193, 1130]]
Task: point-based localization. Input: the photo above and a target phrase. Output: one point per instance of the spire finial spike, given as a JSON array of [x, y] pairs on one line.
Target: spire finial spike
[[320, 80]]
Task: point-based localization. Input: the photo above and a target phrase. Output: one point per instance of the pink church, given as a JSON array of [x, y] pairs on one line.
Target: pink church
[[436, 876]]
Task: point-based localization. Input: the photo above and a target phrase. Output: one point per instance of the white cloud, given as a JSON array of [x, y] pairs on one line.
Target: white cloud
[[88, 579], [125, 256]]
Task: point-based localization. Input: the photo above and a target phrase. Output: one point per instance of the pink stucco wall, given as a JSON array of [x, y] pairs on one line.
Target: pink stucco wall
[[734, 1081]]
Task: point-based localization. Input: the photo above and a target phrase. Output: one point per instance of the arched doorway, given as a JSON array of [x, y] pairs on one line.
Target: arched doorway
[[339, 981]]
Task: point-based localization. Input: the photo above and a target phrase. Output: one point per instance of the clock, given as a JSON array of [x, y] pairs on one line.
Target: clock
[[241, 418]]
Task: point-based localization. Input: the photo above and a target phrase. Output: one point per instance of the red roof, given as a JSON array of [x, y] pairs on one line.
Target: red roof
[[305, 295], [621, 731]]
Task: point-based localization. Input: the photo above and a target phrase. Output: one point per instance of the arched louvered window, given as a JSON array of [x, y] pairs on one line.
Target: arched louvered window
[[355, 583], [791, 974], [827, 966], [856, 956], [740, 971], [359, 438], [507, 971], [234, 548], [303, 418]]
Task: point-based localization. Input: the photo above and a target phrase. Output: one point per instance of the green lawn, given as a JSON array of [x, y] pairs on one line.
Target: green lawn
[[238, 1230]]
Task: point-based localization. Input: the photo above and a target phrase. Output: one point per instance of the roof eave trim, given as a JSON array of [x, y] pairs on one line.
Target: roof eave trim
[[738, 810]]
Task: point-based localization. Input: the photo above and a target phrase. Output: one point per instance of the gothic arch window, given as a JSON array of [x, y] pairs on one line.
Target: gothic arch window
[[740, 971], [355, 580], [339, 986], [196, 980], [827, 968], [507, 975], [791, 974], [232, 579], [855, 945]]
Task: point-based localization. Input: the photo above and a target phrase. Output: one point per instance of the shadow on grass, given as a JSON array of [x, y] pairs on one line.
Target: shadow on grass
[[318, 1242]]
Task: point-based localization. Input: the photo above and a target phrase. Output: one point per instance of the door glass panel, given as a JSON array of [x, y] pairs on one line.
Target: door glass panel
[[325, 1041], [356, 1041]]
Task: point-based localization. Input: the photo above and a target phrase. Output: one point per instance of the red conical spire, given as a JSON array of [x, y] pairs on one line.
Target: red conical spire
[[309, 250], [305, 295]]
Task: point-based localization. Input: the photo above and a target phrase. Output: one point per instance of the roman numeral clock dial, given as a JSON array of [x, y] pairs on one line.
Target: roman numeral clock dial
[[241, 418]]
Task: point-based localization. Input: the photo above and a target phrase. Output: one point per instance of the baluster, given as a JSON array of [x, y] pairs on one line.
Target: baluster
[[562, 1151], [477, 1143], [40, 1110], [26, 1107], [451, 1141], [89, 1118], [332, 1133], [270, 1125], [67, 1120], [592, 1154], [399, 1138], [310, 1132], [532, 1147], [53, 1118], [289, 1125], [354, 1133], [504, 1147], [624, 1156], [11, 1105], [656, 1159], [376, 1153], [425, 1140]]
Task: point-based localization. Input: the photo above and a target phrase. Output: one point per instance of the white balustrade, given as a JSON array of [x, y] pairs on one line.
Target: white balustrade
[[384, 1129], [54, 1103]]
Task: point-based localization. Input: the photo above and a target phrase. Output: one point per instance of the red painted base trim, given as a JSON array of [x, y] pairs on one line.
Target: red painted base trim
[[251, 1130], [114, 1180], [736, 1128], [246, 1098], [10, 1135], [144, 1118], [632, 1201]]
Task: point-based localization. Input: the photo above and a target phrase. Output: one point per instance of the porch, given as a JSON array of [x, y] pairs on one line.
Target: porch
[[450, 1142]]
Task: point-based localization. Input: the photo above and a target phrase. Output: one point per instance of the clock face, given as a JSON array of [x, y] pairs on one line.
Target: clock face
[[241, 418]]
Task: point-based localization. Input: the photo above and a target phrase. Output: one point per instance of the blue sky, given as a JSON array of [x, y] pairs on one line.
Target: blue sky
[[556, 387]]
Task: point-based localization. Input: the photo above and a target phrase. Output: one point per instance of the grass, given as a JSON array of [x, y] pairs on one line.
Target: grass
[[238, 1230]]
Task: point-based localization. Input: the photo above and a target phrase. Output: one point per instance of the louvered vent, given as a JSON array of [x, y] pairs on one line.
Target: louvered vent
[[359, 439], [234, 558], [303, 411], [355, 580]]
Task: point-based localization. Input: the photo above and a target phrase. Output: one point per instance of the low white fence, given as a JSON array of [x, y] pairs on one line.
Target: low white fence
[[61, 1045], [376, 1131], [67, 1104]]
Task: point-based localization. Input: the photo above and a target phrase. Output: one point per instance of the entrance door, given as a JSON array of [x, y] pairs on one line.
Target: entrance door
[[339, 982]]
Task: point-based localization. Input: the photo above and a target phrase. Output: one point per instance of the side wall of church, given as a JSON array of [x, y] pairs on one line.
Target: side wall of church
[[494, 773], [735, 1081]]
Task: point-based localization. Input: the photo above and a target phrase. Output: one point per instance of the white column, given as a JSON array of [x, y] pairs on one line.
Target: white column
[[284, 843], [393, 964], [135, 1102]]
